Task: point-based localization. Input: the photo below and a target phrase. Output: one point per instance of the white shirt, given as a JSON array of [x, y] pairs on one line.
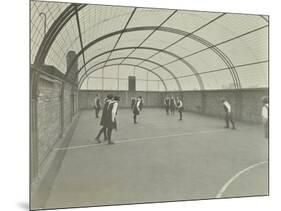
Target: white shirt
[[138, 105], [180, 104], [228, 106], [96, 99], [264, 112], [114, 110]]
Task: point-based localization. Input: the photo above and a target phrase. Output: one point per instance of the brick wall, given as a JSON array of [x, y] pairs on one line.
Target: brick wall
[[246, 103], [251, 104], [53, 112], [48, 116], [151, 99], [67, 102]]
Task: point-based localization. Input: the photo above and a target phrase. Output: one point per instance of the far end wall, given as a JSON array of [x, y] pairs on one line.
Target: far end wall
[[151, 99], [246, 103]]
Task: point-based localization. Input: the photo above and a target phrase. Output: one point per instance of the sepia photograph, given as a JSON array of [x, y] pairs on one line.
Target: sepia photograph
[[133, 105]]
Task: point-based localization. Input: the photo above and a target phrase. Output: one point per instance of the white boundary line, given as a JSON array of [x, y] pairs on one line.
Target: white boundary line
[[142, 139], [228, 183]]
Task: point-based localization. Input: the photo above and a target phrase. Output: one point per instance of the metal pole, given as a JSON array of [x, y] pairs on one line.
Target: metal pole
[[45, 21], [118, 77]]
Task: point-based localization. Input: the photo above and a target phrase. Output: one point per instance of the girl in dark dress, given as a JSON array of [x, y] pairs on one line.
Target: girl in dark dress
[[97, 105], [141, 102], [167, 104], [180, 107], [104, 118], [111, 118], [133, 101], [136, 110], [172, 105]]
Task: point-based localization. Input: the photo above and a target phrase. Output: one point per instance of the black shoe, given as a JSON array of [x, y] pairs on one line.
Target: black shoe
[[98, 140], [234, 128], [226, 127], [110, 142]]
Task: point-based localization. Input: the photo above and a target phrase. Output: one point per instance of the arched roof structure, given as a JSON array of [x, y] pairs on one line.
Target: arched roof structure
[[183, 50]]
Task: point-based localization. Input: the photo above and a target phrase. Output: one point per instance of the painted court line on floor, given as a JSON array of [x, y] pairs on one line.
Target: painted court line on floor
[[155, 138], [232, 179]]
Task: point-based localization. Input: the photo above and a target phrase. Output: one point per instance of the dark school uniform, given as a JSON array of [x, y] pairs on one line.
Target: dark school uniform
[[180, 108], [167, 106], [111, 122], [133, 101], [97, 106], [141, 104], [104, 112], [136, 110], [172, 106], [103, 121]]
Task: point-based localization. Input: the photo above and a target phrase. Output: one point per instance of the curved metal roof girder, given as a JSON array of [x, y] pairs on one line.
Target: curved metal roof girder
[[54, 30], [194, 71], [64, 18], [70, 11], [132, 65], [57, 26], [208, 45], [83, 77]]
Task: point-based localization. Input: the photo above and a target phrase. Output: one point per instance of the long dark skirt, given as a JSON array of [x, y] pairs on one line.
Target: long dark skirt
[[110, 124]]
